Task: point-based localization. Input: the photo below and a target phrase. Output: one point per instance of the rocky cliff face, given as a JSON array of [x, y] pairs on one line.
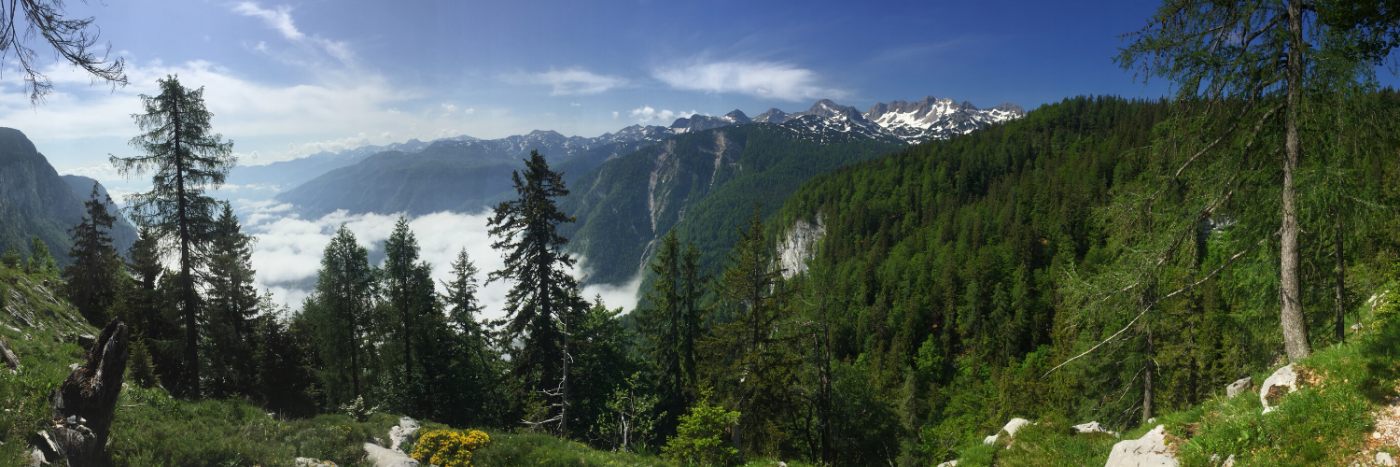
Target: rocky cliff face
[[799, 245], [34, 199]]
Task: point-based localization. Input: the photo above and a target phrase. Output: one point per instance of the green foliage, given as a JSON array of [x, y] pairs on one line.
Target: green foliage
[[11, 259], [40, 261], [700, 437], [671, 327]]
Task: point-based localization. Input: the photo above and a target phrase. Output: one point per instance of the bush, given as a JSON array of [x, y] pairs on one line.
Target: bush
[[449, 448], [700, 437]]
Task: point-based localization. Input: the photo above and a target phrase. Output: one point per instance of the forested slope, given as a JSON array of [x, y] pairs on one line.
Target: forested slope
[[704, 183], [940, 266]]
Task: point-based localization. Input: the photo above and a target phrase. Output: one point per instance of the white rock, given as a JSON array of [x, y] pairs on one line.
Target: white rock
[[948, 464], [1148, 451], [1238, 387], [1284, 379], [1229, 461], [1383, 458], [1010, 429], [1092, 427], [37, 458], [309, 462], [385, 457], [403, 432]]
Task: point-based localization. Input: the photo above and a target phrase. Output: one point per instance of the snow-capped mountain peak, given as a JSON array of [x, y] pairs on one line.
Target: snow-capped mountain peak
[[935, 118]]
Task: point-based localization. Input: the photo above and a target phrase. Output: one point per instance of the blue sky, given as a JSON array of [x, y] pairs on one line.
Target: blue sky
[[287, 79]]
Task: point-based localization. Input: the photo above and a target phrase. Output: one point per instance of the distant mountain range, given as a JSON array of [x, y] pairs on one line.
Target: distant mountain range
[[467, 174]]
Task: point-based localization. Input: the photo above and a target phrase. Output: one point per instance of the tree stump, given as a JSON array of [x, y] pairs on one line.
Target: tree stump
[[84, 406]]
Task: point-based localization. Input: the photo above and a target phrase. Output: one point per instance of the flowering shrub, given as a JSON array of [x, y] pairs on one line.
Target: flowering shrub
[[449, 448]]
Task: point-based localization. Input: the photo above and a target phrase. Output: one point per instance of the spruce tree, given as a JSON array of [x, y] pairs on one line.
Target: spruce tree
[[91, 282], [184, 158], [752, 370], [230, 307], [539, 306], [670, 326]]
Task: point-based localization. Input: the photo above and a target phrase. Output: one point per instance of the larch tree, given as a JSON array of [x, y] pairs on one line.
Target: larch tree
[[184, 157], [91, 282], [341, 313], [1242, 71]]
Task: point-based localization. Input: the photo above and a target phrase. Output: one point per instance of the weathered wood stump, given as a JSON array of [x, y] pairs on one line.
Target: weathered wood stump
[[84, 406]]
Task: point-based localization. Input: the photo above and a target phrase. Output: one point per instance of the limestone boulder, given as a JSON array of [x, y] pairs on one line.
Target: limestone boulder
[[1238, 387], [1276, 386], [381, 456], [1092, 427], [1010, 429], [1148, 451]]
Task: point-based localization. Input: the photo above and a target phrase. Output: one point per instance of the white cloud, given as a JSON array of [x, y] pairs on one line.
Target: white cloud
[[568, 82], [279, 19], [575, 104], [288, 251], [614, 114], [648, 114], [763, 79], [449, 108]]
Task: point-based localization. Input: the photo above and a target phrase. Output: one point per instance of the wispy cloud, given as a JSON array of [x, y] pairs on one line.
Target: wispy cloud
[[647, 114], [763, 79], [279, 18], [568, 82]]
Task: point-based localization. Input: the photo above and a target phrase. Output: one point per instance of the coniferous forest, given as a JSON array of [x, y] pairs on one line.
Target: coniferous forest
[[1100, 259]]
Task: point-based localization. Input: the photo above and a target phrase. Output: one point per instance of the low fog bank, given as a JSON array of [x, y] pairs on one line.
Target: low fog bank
[[288, 250]]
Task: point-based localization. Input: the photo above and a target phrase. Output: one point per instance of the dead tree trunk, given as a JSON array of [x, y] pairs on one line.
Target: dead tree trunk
[[6, 356], [84, 406]]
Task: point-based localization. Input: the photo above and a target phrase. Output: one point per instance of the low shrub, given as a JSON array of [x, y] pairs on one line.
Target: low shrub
[[449, 448]]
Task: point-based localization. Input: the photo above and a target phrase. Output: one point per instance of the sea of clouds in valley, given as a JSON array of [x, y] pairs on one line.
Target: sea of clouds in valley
[[287, 253]]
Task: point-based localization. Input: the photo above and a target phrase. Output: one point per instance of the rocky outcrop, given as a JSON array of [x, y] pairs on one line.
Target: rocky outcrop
[[405, 430], [84, 406], [1283, 382], [799, 245], [1148, 451], [393, 456], [1238, 387]]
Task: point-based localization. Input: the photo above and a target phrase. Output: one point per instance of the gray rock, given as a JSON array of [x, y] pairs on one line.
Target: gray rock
[[385, 457], [37, 458], [948, 464], [1148, 451], [1229, 461], [1092, 427], [1281, 383], [309, 462], [401, 433], [1383, 458], [1238, 387]]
